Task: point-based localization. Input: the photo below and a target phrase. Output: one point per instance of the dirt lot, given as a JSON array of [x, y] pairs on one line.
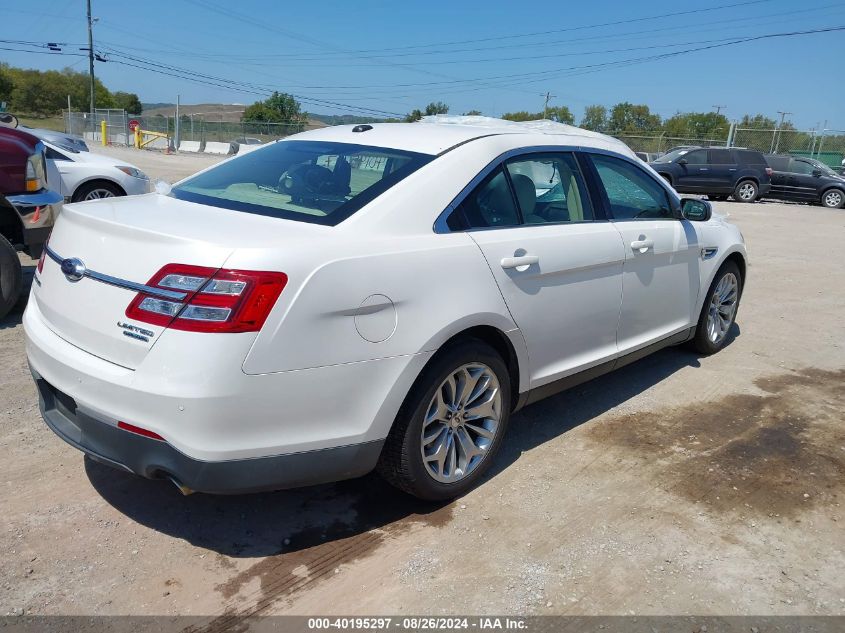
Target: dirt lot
[[677, 485]]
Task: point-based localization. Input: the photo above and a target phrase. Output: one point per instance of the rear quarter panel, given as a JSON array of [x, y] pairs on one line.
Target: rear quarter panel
[[382, 298]]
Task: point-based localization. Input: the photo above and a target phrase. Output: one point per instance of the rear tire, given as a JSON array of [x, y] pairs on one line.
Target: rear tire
[[746, 191], [466, 437], [833, 199], [721, 304], [10, 277]]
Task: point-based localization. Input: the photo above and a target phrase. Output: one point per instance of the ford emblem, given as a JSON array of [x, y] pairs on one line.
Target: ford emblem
[[73, 269]]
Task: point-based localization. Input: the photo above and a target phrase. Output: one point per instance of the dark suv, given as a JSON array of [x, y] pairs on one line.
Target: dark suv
[[805, 180], [717, 171]]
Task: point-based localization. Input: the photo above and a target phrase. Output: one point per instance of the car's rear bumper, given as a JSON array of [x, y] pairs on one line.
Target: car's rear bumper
[[155, 459]]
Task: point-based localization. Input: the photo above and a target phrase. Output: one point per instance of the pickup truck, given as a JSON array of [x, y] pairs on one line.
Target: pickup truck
[[28, 207]]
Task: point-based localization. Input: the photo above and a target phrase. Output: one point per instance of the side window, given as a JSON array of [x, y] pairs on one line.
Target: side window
[[721, 157], [631, 192], [696, 157], [491, 204], [800, 167], [549, 189]]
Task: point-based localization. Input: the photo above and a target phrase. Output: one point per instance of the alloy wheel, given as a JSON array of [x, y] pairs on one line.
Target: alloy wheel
[[833, 199], [97, 194], [747, 191], [460, 423], [722, 309]]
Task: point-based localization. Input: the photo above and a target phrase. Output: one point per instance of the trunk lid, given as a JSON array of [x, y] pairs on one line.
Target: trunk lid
[[131, 239]]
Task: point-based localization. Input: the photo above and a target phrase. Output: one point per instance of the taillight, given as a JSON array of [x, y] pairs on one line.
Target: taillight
[[41, 260], [137, 430], [216, 300]]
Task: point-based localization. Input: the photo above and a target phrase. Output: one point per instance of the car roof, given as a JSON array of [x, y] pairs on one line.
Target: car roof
[[437, 134]]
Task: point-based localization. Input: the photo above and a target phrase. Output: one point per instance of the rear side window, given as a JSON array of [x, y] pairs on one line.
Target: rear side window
[[631, 192], [550, 189], [309, 181], [748, 157], [778, 163], [490, 205], [721, 157]]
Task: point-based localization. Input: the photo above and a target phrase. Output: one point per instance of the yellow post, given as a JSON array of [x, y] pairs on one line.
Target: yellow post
[[103, 132], [138, 137]]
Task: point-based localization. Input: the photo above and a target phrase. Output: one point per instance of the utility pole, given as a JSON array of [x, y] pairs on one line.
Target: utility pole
[[778, 131], [91, 58], [719, 108], [548, 97]]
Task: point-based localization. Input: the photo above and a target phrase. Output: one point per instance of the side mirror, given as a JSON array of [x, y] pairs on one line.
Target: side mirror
[[817, 173], [696, 210], [682, 161], [9, 120]]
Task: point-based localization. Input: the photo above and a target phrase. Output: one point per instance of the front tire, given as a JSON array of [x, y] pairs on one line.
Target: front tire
[[746, 191], [451, 425], [96, 191], [833, 199], [719, 310], [10, 277]]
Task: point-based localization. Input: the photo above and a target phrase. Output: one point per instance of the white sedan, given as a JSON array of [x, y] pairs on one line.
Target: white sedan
[[90, 176], [366, 297]]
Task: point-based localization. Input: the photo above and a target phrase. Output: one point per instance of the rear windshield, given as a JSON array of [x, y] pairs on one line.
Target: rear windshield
[[310, 181]]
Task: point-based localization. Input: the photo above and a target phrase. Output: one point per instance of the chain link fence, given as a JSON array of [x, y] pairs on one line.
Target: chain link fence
[[827, 146]]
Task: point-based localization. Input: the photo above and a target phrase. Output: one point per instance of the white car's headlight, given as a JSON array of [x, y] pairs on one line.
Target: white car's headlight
[[132, 171]]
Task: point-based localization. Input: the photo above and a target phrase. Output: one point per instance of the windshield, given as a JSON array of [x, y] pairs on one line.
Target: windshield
[[310, 181], [668, 158]]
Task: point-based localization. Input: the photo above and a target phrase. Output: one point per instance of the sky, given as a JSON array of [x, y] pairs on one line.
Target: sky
[[377, 58]]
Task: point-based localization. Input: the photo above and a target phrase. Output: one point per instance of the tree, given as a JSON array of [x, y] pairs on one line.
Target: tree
[[595, 118], [762, 122], [561, 114], [473, 113], [128, 101], [6, 83], [435, 107], [628, 117], [697, 124], [280, 107]]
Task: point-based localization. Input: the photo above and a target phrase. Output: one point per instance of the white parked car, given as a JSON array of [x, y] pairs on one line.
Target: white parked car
[[361, 297], [90, 176]]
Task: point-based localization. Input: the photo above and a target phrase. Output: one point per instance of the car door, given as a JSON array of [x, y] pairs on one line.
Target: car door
[[557, 262], [722, 170], [780, 176], [660, 279], [801, 182], [693, 172]]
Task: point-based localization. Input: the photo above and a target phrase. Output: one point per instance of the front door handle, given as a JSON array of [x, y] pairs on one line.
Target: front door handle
[[642, 245], [521, 262]]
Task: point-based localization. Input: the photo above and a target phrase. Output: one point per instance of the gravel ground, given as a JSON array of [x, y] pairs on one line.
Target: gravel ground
[[676, 485]]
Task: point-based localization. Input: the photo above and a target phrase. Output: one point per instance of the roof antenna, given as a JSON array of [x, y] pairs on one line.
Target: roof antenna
[[362, 128]]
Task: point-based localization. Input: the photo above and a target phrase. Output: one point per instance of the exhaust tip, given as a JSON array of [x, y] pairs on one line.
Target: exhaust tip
[[181, 487]]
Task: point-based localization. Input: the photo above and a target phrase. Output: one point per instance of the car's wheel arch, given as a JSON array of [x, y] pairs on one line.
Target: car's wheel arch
[[735, 255], [829, 189], [96, 180]]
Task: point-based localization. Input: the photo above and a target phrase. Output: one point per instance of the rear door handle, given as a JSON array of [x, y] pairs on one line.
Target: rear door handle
[[642, 245], [523, 261]]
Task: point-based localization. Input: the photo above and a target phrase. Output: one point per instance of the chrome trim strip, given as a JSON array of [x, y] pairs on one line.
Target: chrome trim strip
[[161, 293]]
